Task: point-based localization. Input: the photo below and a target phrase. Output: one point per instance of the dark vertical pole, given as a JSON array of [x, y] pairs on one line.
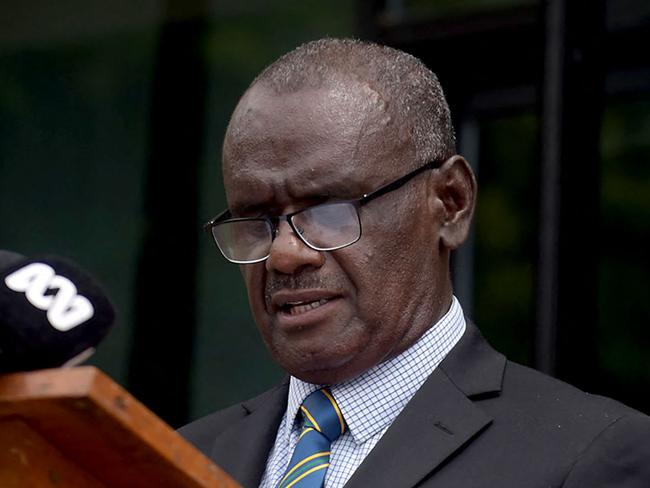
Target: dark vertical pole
[[159, 373], [569, 193], [552, 100]]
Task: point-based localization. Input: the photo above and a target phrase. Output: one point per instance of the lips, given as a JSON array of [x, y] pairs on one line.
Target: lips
[[302, 307], [299, 308]]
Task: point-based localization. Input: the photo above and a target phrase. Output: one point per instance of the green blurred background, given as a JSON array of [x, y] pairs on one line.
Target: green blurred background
[[83, 98]]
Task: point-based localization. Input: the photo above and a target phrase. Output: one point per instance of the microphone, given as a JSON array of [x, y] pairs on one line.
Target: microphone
[[51, 313]]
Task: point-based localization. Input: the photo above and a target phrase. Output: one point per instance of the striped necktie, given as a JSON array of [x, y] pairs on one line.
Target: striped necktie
[[322, 424]]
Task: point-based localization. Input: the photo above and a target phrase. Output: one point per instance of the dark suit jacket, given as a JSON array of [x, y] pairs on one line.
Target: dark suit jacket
[[478, 421]]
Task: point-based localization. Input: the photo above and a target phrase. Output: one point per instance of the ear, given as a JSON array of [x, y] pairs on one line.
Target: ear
[[456, 190]]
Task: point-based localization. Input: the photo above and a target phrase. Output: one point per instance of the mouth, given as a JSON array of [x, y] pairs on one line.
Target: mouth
[[301, 308], [298, 308]]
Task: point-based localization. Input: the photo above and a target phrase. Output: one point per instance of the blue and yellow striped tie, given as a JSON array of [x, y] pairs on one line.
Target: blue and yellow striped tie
[[322, 424]]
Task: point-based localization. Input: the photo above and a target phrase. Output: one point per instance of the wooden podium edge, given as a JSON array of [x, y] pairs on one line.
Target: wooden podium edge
[[48, 399]]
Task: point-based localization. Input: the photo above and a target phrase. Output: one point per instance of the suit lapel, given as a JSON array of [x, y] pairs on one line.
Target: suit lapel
[[440, 419], [242, 450], [436, 423]]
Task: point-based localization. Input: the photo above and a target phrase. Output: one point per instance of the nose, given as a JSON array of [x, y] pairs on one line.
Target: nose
[[289, 254]]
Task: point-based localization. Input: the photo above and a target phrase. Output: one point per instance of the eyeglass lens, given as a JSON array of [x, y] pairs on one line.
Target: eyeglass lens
[[244, 240], [329, 226], [323, 227]]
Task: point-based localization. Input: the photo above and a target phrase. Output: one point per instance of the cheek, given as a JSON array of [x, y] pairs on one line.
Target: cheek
[[396, 265], [253, 275]]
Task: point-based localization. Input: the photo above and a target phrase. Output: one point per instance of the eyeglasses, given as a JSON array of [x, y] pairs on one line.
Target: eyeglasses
[[324, 227]]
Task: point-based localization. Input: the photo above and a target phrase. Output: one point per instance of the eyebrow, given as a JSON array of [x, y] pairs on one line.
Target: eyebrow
[[326, 193], [251, 209], [264, 209]]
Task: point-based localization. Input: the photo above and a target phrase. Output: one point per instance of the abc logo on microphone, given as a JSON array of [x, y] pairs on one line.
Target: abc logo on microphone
[[50, 312], [66, 309]]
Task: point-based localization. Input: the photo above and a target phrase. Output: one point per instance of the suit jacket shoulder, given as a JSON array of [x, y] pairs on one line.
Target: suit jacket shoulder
[[203, 431], [557, 402], [577, 438], [619, 456]]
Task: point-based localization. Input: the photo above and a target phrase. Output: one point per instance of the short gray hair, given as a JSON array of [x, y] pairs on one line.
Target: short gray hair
[[412, 90]]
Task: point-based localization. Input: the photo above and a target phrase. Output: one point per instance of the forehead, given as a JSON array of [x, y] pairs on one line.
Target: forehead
[[313, 143]]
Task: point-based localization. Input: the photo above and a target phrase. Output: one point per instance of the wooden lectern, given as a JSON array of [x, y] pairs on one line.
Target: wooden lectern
[[77, 428]]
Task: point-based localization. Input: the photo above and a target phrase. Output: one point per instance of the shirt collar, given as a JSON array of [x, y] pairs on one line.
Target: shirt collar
[[371, 401]]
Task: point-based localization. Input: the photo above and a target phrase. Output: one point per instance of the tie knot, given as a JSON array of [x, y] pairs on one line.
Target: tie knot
[[320, 411]]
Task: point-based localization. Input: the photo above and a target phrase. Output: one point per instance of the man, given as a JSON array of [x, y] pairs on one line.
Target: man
[[345, 199]]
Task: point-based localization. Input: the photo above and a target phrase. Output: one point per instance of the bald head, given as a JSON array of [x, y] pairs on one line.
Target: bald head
[[396, 82]]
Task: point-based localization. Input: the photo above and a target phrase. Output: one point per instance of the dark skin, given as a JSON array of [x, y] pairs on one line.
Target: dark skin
[[378, 296]]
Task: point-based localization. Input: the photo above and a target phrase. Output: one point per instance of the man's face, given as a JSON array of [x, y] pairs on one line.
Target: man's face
[[329, 316]]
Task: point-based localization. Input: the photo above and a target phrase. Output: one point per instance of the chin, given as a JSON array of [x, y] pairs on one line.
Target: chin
[[316, 359], [320, 377], [325, 371]]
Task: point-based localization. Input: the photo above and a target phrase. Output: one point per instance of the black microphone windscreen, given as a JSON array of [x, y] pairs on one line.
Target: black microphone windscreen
[[50, 312]]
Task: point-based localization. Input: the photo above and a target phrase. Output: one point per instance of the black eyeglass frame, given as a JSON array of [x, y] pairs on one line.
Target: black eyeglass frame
[[274, 222]]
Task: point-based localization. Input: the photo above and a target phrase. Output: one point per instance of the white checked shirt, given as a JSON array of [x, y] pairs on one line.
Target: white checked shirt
[[370, 402]]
